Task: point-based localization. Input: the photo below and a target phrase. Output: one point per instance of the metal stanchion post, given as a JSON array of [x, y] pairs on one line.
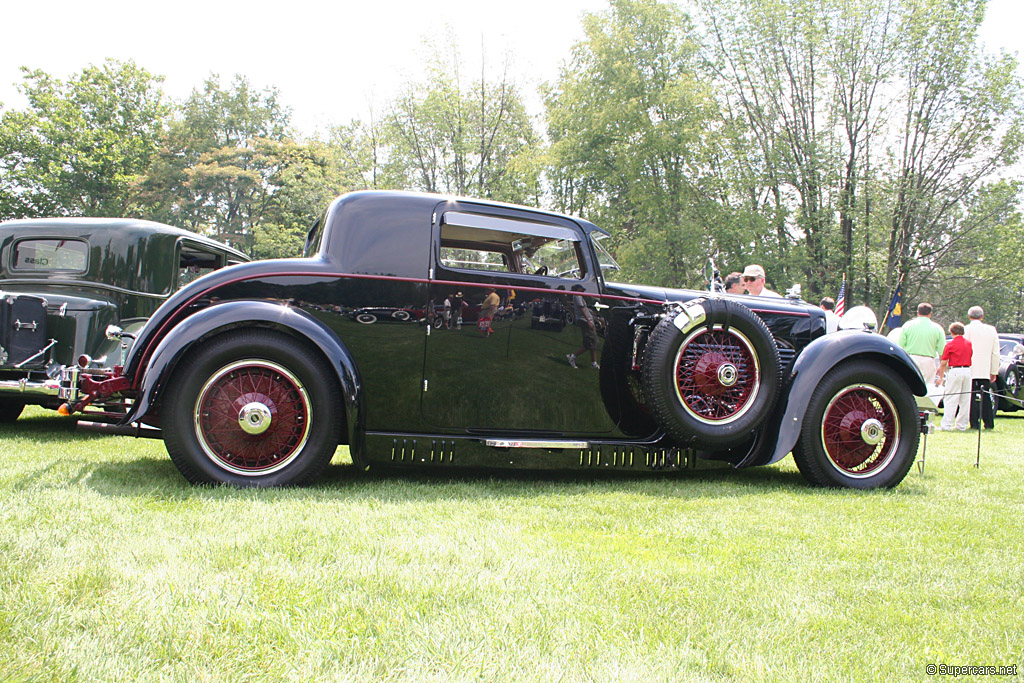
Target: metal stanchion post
[[924, 453], [977, 459]]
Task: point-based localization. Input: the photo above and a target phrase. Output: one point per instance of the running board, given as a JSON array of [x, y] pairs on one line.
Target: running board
[[539, 443]]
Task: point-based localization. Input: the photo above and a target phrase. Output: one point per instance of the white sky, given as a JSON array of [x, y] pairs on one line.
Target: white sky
[[330, 61]]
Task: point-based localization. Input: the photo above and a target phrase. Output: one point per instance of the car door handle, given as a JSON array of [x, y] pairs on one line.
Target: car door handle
[[600, 306]]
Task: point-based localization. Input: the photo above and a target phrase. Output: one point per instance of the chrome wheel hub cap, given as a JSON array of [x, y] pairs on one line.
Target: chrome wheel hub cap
[[728, 375], [254, 418], [872, 432]]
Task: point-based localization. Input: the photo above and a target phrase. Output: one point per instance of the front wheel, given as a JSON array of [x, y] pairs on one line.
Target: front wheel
[[860, 430], [252, 408], [1011, 401]]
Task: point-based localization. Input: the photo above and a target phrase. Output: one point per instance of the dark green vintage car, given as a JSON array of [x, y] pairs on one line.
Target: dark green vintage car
[[64, 281]]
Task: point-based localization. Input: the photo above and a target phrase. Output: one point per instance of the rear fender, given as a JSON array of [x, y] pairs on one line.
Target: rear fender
[[238, 314], [822, 355]]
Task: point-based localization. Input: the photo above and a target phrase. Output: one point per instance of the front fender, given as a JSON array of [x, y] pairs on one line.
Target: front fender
[[236, 314], [822, 355]]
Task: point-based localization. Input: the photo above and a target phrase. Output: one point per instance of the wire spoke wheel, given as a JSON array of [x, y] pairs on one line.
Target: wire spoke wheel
[[860, 430], [711, 383], [252, 417], [717, 375]]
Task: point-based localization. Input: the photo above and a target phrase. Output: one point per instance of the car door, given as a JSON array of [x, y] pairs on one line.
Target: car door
[[507, 368]]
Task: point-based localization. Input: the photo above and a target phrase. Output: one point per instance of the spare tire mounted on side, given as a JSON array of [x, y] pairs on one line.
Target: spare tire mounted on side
[[711, 373]]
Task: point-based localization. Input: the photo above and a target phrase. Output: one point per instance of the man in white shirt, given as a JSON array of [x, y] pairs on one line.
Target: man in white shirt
[[984, 366], [753, 280], [828, 304]]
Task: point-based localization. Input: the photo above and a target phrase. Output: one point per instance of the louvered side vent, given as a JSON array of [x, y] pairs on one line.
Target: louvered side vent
[[667, 458], [786, 358], [611, 456], [404, 450], [442, 450], [629, 457]]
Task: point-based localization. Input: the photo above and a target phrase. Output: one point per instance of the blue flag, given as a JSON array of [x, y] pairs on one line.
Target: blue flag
[[894, 317]]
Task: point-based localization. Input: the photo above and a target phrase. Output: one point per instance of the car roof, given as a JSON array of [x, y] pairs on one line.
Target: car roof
[[125, 229]]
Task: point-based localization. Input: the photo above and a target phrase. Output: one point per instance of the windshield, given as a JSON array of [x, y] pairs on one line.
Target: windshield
[[1008, 347]]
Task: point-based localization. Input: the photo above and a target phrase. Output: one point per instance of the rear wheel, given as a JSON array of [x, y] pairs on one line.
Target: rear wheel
[[10, 409], [252, 408], [860, 429]]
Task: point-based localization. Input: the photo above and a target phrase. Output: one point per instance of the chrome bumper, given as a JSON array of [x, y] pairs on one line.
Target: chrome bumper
[[65, 387], [50, 387]]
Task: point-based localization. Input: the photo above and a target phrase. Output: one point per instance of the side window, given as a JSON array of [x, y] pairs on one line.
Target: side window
[[472, 258], [476, 242], [195, 263]]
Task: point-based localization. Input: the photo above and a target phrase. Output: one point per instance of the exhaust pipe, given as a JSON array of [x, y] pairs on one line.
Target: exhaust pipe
[[135, 429]]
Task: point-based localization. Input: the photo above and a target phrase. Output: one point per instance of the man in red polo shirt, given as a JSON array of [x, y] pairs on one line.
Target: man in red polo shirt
[[956, 368]]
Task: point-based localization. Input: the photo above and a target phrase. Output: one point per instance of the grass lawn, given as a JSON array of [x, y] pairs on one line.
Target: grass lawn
[[112, 568]]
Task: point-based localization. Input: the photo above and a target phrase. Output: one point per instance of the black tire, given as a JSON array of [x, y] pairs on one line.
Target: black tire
[[861, 428], [621, 386], [10, 410], [283, 392], [713, 386]]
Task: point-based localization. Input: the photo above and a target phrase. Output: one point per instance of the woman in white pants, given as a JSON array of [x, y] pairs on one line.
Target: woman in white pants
[[956, 369]]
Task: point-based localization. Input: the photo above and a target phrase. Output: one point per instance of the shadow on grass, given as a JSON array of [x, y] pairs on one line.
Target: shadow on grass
[[157, 477], [45, 426]]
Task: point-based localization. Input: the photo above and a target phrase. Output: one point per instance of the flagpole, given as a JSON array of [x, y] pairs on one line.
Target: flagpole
[[840, 305], [889, 306]]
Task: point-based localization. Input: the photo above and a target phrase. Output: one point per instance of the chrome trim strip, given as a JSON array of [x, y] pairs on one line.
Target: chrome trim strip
[[472, 220], [539, 443], [80, 283]]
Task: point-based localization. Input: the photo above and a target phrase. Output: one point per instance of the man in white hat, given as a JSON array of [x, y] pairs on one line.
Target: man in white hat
[[753, 280]]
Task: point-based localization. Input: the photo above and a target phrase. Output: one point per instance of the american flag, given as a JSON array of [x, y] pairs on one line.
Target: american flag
[[841, 299]]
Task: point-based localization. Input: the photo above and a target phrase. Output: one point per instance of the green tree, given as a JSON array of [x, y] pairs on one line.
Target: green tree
[[960, 126], [217, 160], [229, 167], [452, 136], [79, 145], [877, 125], [635, 135]]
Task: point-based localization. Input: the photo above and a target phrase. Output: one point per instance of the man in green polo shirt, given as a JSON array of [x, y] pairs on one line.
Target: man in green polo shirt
[[923, 340]]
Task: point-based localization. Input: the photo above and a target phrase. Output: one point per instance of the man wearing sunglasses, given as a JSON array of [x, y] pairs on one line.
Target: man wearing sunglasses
[[753, 280]]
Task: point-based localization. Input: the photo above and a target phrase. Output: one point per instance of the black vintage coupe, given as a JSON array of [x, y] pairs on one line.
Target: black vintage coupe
[[255, 374]]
